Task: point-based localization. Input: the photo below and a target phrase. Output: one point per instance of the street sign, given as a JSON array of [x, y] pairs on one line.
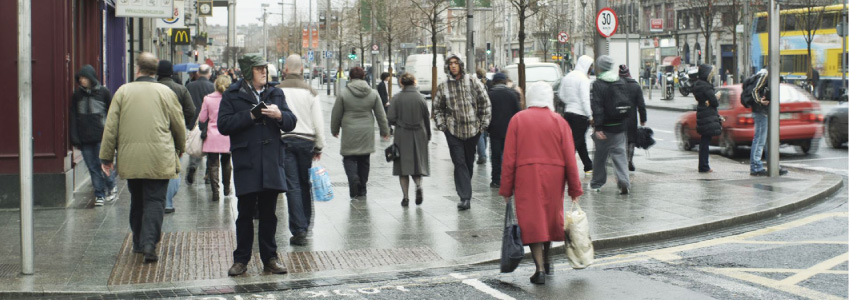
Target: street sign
[[841, 29], [310, 55], [376, 52], [408, 45], [656, 25], [606, 22], [563, 37], [374, 47], [157, 9], [180, 36], [176, 20], [329, 54]]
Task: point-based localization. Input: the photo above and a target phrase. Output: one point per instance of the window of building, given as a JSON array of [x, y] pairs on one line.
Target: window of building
[[671, 17]]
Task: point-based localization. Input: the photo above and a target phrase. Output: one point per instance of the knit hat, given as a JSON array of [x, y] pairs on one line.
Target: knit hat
[[500, 76], [624, 71], [165, 69], [604, 63], [247, 64]]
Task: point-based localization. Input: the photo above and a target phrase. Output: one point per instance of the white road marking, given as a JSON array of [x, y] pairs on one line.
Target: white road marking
[[662, 131], [478, 285], [816, 159]]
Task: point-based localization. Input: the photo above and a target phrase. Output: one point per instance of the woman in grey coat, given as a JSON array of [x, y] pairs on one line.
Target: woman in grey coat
[[409, 114], [356, 108]]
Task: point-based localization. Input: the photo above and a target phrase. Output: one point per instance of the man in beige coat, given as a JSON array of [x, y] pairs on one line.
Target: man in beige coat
[[145, 124]]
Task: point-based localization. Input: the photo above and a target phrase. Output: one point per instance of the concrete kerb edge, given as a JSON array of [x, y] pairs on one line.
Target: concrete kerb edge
[[668, 108]]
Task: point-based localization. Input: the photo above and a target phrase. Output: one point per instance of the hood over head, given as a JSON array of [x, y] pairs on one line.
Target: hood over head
[[459, 60], [539, 94], [583, 64], [359, 88], [87, 71], [707, 72]]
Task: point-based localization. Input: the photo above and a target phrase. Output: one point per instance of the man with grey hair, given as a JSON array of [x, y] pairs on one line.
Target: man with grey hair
[[199, 89], [303, 145], [144, 116]]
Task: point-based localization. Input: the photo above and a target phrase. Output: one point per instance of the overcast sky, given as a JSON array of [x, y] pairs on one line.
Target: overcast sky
[[249, 11]]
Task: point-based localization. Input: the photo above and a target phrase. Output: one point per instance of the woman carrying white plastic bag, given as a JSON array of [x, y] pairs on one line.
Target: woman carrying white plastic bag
[[577, 231], [538, 164]]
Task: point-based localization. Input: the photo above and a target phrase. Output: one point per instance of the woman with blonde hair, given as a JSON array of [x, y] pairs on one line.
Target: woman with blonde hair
[[216, 146], [409, 114]]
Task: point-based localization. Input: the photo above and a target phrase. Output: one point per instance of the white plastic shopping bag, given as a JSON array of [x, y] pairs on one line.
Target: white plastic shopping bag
[[577, 232]]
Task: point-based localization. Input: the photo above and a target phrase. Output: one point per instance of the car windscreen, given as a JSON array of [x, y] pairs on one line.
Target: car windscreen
[[548, 74]]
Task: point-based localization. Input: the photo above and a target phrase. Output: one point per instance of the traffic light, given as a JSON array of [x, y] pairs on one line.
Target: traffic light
[[195, 53], [353, 54], [488, 48]]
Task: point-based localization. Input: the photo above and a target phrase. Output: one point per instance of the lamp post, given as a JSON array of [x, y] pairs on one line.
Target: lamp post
[[583, 25]]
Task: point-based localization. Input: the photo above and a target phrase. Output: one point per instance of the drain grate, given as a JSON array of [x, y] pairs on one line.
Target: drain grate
[[477, 235], [9, 270], [186, 256]]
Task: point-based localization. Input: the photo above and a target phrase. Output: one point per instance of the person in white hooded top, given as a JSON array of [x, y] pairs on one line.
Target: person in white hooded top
[[575, 93], [303, 145]]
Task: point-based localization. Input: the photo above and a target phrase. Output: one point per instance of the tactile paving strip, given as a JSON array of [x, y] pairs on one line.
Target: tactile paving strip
[[9, 270], [186, 256]]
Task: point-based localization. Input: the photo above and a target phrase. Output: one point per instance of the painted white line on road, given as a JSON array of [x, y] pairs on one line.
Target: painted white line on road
[[662, 131], [478, 285], [816, 269], [816, 159]]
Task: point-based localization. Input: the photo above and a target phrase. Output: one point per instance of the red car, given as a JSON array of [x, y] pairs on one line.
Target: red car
[[800, 121]]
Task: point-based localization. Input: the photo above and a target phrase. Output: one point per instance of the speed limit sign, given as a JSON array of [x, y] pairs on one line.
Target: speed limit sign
[[606, 22]]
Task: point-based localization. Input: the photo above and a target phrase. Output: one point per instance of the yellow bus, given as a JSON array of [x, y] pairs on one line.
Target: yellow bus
[[826, 48]]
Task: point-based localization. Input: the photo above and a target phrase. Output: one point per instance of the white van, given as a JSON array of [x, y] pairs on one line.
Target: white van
[[420, 66]]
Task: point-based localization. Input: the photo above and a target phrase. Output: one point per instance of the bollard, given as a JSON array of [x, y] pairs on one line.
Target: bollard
[[663, 87], [717, 81], [730, 79]]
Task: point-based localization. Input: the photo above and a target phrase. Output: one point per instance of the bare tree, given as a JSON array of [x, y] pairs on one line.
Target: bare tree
[[705, 12], [549, 23], [525, 9], [396, 16], [429, 12], [808, 21]]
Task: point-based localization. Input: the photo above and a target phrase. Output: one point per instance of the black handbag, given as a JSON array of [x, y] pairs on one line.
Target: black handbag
[[644, 137], [512, 250], [391, 153]]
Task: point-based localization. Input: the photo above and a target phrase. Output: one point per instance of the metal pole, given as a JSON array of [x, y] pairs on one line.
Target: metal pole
[[132, 65], [745, 50], [374, 42], [628, 32], [310, 43], [328, 45], [844, 46], [265, 35], [231, 28], [600, 47], [773, 117], [470, 34], [25, 126]]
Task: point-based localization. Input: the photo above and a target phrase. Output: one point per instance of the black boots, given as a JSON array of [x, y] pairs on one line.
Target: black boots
[[538, 278], [463, 205], [190, 176]]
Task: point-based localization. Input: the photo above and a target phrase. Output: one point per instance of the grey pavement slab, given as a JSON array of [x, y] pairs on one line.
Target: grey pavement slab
[[78, 248]]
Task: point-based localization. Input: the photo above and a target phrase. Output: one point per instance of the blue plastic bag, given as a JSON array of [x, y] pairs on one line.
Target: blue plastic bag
[[322, 190]]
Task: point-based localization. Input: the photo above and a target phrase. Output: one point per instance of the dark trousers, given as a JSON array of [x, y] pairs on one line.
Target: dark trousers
[[704, 141], [357, 169], [219, 162], [463, 158], [497, 148], [298, 159], [147, 207], [578, 125], [265, 202]]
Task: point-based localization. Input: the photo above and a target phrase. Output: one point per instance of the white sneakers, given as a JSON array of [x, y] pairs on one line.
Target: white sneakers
[[98, 201]]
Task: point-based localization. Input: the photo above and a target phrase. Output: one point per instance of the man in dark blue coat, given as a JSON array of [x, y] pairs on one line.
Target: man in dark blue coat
[[258, 156]]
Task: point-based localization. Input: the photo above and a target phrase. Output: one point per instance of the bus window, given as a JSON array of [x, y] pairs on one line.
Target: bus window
[[761, 24], [829, 20], [788, 22]]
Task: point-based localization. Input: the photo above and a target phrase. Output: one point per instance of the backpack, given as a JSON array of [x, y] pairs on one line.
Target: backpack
[[617, 108]]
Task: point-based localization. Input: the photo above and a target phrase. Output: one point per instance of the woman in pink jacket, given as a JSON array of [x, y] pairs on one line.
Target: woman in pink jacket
[[216, 146], [538, 163]]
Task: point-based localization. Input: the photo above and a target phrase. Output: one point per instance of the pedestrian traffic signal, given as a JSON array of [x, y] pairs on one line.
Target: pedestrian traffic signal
[[488, 48], [195, 53]]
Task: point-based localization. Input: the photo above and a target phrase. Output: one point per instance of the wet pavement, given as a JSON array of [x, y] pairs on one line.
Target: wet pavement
[[84, 249]]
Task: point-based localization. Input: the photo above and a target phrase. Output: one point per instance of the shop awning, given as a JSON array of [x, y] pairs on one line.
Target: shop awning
[[672, 61]]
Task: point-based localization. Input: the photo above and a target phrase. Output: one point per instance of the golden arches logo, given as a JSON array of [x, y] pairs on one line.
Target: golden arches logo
[[181, 36]]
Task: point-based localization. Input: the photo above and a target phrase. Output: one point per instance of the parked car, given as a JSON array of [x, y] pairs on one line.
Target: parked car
[[835, 124], [800, 121], [537, 71]]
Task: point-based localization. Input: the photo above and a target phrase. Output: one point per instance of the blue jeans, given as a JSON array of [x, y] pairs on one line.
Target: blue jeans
[[296, 164], [101, 183], [482, 146], [173, 186], [759, 139]]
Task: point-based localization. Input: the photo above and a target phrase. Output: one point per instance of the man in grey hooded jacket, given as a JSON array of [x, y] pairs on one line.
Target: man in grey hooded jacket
[[609, 135]]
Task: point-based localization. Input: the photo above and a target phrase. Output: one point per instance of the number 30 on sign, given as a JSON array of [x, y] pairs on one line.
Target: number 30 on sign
[[606, 22]]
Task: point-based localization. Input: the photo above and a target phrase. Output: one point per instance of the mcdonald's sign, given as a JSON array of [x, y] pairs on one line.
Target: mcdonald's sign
[[180, 36]]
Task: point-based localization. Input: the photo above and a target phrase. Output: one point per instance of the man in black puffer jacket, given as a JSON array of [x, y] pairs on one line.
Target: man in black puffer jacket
[[708, 121], [638, 110], [89, 107], [609, 103]]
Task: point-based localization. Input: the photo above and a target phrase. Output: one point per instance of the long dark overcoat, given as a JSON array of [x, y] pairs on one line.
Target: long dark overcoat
[[258, 153], [409, 114]]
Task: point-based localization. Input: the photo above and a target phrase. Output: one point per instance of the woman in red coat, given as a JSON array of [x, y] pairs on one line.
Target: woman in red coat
[[539, 160]]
